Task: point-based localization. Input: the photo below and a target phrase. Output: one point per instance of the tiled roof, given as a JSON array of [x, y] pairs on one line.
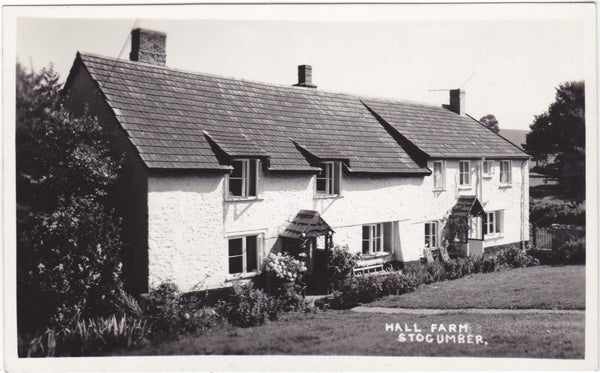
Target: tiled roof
[[442, 133], [468, 205], [308, 222], [175, 119], [168, 114]]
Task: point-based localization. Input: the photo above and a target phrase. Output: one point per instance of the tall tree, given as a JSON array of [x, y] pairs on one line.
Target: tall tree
[[68, 246], [490, 122], [557, 139]]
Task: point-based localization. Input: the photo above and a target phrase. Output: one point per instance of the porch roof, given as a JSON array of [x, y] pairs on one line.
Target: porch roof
[[308, 222], [468, 206]]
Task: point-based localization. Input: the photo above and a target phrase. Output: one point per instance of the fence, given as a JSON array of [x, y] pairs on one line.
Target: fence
[[553, 237]]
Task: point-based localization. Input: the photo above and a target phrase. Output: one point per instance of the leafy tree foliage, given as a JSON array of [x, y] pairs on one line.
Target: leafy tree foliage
[[68, 245], [490, 122], [557, 139]]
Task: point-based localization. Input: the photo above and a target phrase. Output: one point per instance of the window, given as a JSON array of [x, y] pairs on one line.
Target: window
[[372, 241], [243, 180], [439, 180], [488, 168], [464, 173], [328, 179], [243, 254], [505, 172], [431, 239], [493, 223]]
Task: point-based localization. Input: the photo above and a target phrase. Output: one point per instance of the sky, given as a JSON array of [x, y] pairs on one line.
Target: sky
[[508, 66]]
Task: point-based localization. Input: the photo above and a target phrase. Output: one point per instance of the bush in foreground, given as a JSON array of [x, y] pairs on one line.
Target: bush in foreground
[[248, 307]]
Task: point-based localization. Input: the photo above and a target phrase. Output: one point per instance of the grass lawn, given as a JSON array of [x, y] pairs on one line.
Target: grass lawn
[[535, 287], [556, 334], [353, 333]]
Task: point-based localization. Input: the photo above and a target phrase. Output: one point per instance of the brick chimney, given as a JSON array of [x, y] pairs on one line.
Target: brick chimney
[[457, 101], [148, 46], [305, 77]]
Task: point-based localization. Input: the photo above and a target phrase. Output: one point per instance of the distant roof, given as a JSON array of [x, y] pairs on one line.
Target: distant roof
[[517, 137], [175, 119], [442, 133]]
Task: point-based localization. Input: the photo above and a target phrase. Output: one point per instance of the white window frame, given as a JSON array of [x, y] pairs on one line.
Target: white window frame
[[490, 168], [432, 234], [494, 226], [507, 172], [442, 176], [376, 232], [462, 173], [246, 183], [333, 179], [259, 246]]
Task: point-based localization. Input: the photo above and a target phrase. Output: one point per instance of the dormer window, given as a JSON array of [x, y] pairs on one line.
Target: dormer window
[[243, 180], [328, 179]]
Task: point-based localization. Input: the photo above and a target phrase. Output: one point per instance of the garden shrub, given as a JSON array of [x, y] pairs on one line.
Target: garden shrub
[[340, 267], [419, 275], [283, 274], [368, 287], [572, 252], [169, 313], [163, 308], [551, 210], [344, 298], [396, 283], [516, 257], [437, 271], [248, 306], [490, 264]]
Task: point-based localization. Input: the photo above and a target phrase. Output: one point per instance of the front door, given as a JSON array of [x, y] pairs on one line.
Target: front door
[[317, 254]]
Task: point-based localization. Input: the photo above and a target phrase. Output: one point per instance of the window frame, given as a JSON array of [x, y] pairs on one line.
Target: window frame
[[442, 176], [376, 232], [467, 173], [434, 235], [496, 223], [490, 170], [333, 179], [244, 255], [246, 186], [506, 172]]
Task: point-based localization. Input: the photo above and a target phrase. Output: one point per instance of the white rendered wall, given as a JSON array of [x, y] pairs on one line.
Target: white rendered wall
[[185, 231], [190, 218]]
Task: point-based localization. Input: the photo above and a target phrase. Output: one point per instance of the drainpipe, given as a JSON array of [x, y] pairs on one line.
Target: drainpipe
[[481, 197], [523, 165]]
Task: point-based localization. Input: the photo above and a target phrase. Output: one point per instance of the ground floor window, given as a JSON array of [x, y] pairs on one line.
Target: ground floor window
[[431, 235], [493, 223], [243, 254], [372, 241]]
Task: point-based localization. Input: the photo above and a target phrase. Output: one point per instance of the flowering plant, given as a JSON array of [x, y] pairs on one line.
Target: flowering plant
[[283, 267]]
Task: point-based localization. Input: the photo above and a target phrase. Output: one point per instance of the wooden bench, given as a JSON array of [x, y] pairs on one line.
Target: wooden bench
[[368, 269]]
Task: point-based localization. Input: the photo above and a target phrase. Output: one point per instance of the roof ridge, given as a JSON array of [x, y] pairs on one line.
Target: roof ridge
[[184, 71], [360, 97]]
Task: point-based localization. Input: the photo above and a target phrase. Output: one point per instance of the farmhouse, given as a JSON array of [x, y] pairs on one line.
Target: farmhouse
[[220, 171]]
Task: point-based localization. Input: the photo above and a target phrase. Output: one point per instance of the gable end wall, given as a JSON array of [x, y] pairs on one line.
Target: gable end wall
[[130, 195]]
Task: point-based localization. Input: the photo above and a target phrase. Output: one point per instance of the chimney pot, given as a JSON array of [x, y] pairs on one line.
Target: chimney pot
[[148, 46], [305, 77], [457, 101]]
